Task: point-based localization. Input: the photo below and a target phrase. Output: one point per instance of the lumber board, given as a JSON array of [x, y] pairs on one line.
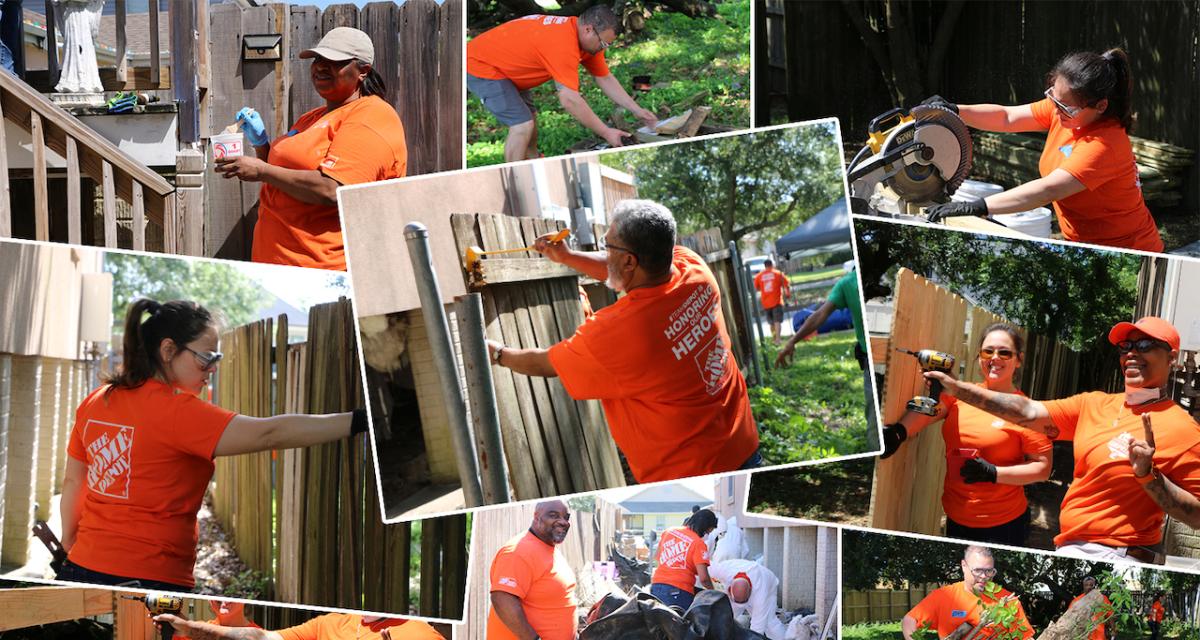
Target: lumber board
[[304, 30], [505, 270], [224, 232], [5, 206], [20, 608], [449, 98], [41, 195]]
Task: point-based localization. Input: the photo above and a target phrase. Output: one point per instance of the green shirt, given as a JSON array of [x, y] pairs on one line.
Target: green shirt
[[845, 296]]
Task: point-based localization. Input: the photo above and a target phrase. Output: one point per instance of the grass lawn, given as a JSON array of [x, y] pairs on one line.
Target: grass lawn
[[814, 408], [703, 58], [891, 631], [815, 276]]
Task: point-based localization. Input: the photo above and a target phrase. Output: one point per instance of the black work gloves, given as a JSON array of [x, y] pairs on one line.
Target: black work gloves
[[358, 421], [893, 436], [938, 101], [978, 470], [974, 207]]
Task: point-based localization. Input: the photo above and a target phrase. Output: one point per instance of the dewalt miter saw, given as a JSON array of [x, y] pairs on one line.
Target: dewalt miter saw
[[913, 158]]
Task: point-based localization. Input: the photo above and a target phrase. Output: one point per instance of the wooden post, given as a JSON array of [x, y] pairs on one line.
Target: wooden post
[[5, 209], [21, 474], [74, 215], [110, 205], [183, 66], [431, 565], [139, 217], [41, 198], [155, 52], [189, 202], [122, 60], [51, 45], [51, 406]]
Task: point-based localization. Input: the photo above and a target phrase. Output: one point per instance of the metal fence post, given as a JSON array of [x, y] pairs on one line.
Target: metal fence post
[[482, 396], [436, 325], [747, 317]]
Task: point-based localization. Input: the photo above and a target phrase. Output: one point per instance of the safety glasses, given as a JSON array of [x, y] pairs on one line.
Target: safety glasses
[[988, 353], [206, 359], [610, 246], [603, 45], [1141, 346], [983, 573], [1068, 111]]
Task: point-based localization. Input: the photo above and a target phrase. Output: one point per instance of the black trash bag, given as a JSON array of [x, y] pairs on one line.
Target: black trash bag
[[642, 618], [711, 618], [645, 618], [605, 606]]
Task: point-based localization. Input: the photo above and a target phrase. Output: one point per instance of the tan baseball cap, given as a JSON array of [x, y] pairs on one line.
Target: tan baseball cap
[[343, 43]]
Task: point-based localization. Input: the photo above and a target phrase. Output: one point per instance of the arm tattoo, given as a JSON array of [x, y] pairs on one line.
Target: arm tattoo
[[1177, 502], [1009, 406]]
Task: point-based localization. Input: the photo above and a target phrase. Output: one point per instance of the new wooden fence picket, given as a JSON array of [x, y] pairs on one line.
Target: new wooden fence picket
[[418, 52], [308, 518]]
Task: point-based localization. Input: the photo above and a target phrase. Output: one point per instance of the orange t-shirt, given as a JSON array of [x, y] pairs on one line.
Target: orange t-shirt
[[539, 575], [946, 608], [680, 551], [1098, 632], [661, 363], [985, 504], [1105, 503], [360, 142], [349, 626], [1111, 210], [1157, 611], [149, 457], [531, 50], [771, 283]]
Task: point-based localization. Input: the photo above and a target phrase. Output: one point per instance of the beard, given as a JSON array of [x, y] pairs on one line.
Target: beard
[[613, 281]]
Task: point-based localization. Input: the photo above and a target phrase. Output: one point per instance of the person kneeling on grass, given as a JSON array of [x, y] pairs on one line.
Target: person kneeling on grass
[[140, 455], [659, 359]]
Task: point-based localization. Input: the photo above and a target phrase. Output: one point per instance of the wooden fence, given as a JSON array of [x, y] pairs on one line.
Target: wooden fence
[[555, 445], [418, 52], [591, 538], [907, 486], [307, 519], [1000, 54], [881, 605]]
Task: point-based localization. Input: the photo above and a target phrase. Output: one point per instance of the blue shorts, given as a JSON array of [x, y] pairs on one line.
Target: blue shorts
[[501, 97]]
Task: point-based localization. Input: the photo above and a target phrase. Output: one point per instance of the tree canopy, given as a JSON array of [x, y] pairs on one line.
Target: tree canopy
[[1072, 293], [220, 287], [767, 181]]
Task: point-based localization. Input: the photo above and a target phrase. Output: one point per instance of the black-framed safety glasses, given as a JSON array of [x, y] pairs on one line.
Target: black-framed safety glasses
[[206, 359]]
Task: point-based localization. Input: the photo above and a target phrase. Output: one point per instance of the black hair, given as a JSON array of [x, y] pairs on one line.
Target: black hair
[[1017, 338], [702, 522], [601, 17], [180, 320], [373, 84], [1099, 76], [648, 230], [768, 262]]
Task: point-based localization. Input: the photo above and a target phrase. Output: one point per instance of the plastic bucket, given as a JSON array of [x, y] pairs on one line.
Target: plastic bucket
[[978, 188], [227, 145], [1034, 223]]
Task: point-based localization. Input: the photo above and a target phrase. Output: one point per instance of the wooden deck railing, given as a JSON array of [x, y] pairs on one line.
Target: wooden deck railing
[[86, 153]]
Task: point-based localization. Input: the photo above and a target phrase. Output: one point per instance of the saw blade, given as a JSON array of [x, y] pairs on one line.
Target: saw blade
[[942, 165]]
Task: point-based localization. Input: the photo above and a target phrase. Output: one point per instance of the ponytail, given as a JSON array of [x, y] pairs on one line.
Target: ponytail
[[1100, 76], [373, 84], [147, 324]]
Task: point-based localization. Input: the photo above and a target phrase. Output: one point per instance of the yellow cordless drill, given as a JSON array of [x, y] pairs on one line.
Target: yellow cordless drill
[[929, 360], [158, 604]]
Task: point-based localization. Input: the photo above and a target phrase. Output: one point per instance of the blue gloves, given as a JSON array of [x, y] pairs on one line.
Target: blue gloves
[[253, 127]]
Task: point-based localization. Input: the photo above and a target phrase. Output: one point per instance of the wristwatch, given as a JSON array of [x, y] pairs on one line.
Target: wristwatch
[[496, 355]]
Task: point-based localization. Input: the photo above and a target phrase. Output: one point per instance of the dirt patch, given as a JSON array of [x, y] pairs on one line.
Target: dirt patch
[[836, 492]]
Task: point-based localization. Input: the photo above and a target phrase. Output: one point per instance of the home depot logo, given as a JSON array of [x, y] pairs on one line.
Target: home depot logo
[[673, 550], [108, 448]]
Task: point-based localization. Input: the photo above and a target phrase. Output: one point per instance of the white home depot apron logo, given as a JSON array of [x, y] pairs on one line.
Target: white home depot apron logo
[[674, 549], [108, 448]]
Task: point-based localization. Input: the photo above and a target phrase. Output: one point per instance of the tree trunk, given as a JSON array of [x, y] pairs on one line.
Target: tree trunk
[[1077, 622], [903, 54], [941, 43]]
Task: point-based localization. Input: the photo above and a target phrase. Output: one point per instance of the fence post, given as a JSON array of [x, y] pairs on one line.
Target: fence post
[[417, 237], [740, 286], [482, 395]]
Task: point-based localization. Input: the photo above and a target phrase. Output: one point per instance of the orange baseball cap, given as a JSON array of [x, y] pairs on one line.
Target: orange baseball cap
[[1151, 326]]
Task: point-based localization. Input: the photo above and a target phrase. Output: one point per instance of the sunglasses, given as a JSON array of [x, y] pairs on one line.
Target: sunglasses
[[207, 359], [1068, 111], [1141, 346], [991, 352]]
